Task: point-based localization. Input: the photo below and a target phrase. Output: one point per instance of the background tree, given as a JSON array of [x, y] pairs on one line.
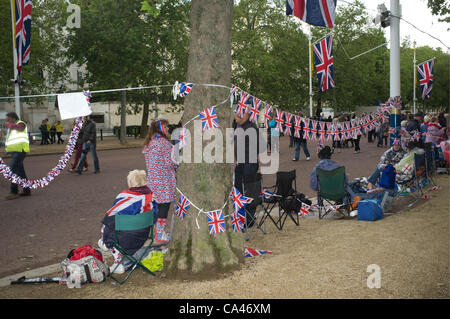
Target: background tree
[[192, 251]]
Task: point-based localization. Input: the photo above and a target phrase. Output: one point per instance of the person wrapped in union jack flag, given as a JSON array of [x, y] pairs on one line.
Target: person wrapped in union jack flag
[[137, 199]]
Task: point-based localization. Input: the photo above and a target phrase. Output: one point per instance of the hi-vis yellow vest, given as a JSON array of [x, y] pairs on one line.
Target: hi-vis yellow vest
[[17, 141]]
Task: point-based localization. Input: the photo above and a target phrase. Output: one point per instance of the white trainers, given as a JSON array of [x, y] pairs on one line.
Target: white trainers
[[117, 269], [102, 246], [308, 158]]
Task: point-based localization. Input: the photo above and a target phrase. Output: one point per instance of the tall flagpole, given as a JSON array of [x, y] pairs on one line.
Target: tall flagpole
[[16, 72], [310, 74], [414, 79]]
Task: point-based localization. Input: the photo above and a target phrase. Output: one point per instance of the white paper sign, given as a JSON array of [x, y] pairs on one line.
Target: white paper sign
[[73, 105]]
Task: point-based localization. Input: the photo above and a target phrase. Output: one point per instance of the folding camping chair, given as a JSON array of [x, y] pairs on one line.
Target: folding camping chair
[[252, 187], [133, 222], [419, 177], [430, 162], [332, 189], [285, 197]]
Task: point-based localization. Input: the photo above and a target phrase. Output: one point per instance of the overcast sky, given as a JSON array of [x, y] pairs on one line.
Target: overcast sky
[[417, 13]]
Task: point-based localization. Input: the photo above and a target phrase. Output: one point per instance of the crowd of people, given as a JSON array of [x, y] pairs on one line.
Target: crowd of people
[[50, 132]]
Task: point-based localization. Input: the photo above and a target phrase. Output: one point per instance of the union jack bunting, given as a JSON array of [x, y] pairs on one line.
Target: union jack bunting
[[243, 102], [323, 55], [250, 252], [182, 207], [233, 94], [22, 15], [185, 88], [254, 110], [297, 126], [304, 210], [392, 130], [322, 131], [267, 115], [267, 194], [209, 119], [315, 12], [306, 129], [335, 131], [279, 120], [236, 222], [183, 137], [313, 130], [239, 200], [288, 123], [329, 130], [425, 72], [216, 222]]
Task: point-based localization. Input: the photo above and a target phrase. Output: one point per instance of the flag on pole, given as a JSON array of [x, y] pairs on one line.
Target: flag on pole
[[315, 12], [323, 55], [425, 72], [22, 31]]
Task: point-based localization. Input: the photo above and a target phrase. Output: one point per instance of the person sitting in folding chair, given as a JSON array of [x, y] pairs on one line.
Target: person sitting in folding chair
[[135, 200], [327, 164]]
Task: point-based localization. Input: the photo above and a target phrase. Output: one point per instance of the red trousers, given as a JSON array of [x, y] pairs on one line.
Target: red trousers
[[78, 150]]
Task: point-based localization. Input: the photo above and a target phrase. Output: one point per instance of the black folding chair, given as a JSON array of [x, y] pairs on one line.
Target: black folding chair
[[285, 197], [332, 189], [252, 187]]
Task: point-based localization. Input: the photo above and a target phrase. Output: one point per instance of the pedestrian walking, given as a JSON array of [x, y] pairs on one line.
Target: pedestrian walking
[[17, 144], [78, 151], [300, 142]]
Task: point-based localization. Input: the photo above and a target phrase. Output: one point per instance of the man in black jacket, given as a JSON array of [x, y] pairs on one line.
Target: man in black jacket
[[89, 140]]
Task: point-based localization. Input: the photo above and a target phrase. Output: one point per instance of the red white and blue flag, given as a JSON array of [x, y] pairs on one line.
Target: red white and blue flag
[[279, 120], [267, 194], [236, 222], [323, 56], [288, 123], [216, 222], [182, 207], [267, 115], [185, 88], [250, 252], [297, 126], [130, 203], [425, 71], [22, 15], [209, 119], [239, 200], [254, 110], [244, 100], [315, 12]]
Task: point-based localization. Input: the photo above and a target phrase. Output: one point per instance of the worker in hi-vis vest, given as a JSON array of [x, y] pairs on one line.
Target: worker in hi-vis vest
[[17, 144]]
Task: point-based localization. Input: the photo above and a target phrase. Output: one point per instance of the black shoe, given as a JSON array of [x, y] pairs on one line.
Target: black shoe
[[25, 193], [97, 172]]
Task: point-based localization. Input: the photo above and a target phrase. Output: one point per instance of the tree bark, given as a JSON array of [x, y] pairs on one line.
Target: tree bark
[[144, 121], [193, 252], [123, 118]]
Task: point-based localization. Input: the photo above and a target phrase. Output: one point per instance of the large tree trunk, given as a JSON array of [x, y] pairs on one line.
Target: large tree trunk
[[144, 121], [123, 117], [193, 252]]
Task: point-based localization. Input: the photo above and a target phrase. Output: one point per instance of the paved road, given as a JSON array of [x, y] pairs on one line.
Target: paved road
[[41, 229]]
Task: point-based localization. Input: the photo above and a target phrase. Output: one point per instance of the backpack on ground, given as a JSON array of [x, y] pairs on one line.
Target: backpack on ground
[[84, 265]]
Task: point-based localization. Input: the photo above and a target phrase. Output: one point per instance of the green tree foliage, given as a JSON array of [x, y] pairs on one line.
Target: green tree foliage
[[47, 66]]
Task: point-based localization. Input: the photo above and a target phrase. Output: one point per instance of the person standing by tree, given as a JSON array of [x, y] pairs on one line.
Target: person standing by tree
[[89, 140], [161, 177], [17, 143]]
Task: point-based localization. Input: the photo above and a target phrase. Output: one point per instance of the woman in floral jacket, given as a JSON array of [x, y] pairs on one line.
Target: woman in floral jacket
[[161, 178]]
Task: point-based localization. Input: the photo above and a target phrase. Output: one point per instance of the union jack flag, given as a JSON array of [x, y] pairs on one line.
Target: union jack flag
[[22, 14], [183, 137], [130, 203], [288, 123], [209, 119], [254, 110], [323, 55], [267, 112], [425, 71], [242, 107], [239, 200], [313, 130], [236, 222], [182, 207], [216, 222], [267, 194], [306, 128], [297, 126], [329, 131], [250, 252], [315, 12], [279, 120], [304, 210], [322, 131], [185, 88]]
